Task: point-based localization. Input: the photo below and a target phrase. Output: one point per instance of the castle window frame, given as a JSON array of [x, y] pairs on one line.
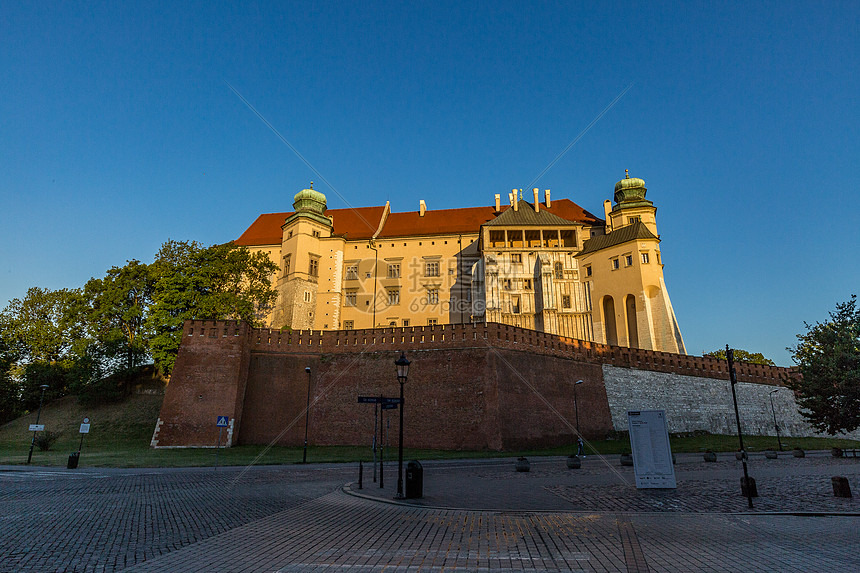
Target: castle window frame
[[287, 259], [559, 270], [315, 234], [393, 296], [508, 284], [515, 305], [565, 301], [352, 273], [645, 258], [348, 325], [517, 258], [634, 219], [628, 260], [405, 322], [588, 270], [615, 264], [432, 322], [568, 238], [527, 284], [433, 296], [307, 296], [394, 270], [351, 297], [431, 268], [314, 266]]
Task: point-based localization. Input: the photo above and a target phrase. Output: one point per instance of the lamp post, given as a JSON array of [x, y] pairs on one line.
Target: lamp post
[[775, 425], [38, 415], [402, 365], [730, 358], [576, 406], [307, 412]]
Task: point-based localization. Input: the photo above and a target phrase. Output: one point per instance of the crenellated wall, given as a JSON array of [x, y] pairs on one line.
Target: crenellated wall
[[471, 386]]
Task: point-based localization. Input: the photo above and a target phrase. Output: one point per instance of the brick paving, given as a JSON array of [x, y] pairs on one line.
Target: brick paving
[[475, 516]]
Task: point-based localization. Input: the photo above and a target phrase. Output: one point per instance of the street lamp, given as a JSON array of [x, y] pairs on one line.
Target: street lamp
[[307, 412], [576, 406], [38, 415], [775, 425], [402, 365]]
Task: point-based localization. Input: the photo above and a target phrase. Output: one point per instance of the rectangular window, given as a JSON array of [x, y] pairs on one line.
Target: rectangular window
[[432, 322], [588, 271], [394, 270], [351, 297], [559, 270], [565, 301], [393, 296], [497, 238], [615, 264], [287, 264], [507, 283], [533, 239], [628, 260], [307, 296], [550, 239], [515, 239], [568, 238], [314, 267], [315, 233], [348, 325], [405, 322], [433, 296], [431, 269], [516, 258], [515, 304], [352, 272], [527, 284], [645, 258], [631, 220]]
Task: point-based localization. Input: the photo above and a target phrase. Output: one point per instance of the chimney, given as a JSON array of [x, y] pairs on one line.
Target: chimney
[[537, 203], [498, 202], [607, 207], [422, 208], [548, 202], [516, 202]]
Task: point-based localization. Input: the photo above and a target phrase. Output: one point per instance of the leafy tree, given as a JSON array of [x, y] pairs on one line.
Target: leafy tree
[[742, 356], [118, 306], [44, 325], [828, 357], [192, 282], [10, 400]]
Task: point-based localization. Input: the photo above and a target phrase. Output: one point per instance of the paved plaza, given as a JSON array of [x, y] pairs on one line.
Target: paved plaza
[[476, 515]]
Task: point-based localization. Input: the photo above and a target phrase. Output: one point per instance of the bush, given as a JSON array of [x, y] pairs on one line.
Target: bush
[[46, 439]]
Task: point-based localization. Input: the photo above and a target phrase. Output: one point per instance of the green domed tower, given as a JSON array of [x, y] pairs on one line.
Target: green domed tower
[[311, 204], [630, 192]]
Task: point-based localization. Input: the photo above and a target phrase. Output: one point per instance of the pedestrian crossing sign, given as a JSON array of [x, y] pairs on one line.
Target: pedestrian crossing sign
[[221, 422]]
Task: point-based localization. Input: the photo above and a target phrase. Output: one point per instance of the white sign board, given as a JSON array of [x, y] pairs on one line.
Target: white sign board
[[85, 428], [37, 427], [652, 455]]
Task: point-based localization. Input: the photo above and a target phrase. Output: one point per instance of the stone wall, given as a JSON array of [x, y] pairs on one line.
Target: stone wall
[[697, 403]]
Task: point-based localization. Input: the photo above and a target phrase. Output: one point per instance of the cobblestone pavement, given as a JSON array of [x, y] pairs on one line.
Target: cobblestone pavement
[[475, 516]]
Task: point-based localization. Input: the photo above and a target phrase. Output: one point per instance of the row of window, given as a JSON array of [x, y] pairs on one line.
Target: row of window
[[350, 324], [628, 261], [431, 269], [548, 239], [392, 294]]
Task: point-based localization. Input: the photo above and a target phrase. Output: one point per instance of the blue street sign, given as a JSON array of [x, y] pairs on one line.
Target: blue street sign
[[222, 421]]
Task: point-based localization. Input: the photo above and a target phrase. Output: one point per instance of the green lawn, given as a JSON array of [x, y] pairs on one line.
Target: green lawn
[[120, 435]]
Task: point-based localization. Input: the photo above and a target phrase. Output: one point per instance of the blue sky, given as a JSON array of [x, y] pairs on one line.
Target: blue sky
[[118, 131]]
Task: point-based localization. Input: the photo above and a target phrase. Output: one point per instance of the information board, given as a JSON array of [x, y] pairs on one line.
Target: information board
[[652, 454]]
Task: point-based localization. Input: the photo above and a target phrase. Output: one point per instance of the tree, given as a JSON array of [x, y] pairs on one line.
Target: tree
[[214, 283], [828, 357], [10, 399], [742, 356], [44, 325]]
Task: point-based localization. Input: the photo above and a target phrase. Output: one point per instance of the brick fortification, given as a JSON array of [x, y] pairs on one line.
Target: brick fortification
[[471, 386]]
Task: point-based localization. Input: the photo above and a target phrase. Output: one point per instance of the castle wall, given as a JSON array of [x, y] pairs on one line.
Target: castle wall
[[698, 403], [471, 386]]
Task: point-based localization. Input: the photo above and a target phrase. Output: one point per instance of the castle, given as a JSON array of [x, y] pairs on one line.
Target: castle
[[548, 265]]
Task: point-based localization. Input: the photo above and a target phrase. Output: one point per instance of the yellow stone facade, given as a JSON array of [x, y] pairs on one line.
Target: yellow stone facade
[[546, 265]]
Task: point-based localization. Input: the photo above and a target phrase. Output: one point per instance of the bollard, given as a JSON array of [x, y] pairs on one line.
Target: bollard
[[753, 490], [360, 473], [840, 486]]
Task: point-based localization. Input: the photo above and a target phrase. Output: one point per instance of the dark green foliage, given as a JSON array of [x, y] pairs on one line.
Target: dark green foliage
[[44, 440], [742, 356], [828, 357], [44, 325], [10, 401]]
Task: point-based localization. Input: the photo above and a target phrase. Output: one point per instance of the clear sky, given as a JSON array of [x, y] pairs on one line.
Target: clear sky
[[118, 130]]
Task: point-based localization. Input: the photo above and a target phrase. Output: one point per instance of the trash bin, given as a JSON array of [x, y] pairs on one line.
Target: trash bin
[[414, 480], [73, 460]]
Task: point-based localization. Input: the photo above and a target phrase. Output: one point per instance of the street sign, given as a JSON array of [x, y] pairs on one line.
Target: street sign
[[391, 401], [369, 399], [389, 406], [222, 421], [37, 427], [652, 454], [85, 428], [86, 420]]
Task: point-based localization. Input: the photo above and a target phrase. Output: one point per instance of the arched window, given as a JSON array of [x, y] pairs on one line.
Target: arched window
[[632, 331], [559, 271], [609, 321]]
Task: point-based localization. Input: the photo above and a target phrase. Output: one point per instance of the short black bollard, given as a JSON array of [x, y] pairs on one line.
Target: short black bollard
[[360, 473], [74, 457], [840, 486], [752, 488]]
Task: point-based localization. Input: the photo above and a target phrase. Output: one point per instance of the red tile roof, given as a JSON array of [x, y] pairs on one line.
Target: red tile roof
[[361, 222]]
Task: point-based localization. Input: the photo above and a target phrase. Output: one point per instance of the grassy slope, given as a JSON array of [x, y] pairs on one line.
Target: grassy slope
[[120, 435]]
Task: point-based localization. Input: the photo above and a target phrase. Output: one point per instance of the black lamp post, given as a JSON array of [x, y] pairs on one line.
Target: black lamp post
[[307, 412], [38, 415], [775, 425], [576, 406], [730, 358], [402, 365]]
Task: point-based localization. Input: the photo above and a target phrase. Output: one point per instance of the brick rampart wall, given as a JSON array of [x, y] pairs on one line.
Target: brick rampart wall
[[473, 386]]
